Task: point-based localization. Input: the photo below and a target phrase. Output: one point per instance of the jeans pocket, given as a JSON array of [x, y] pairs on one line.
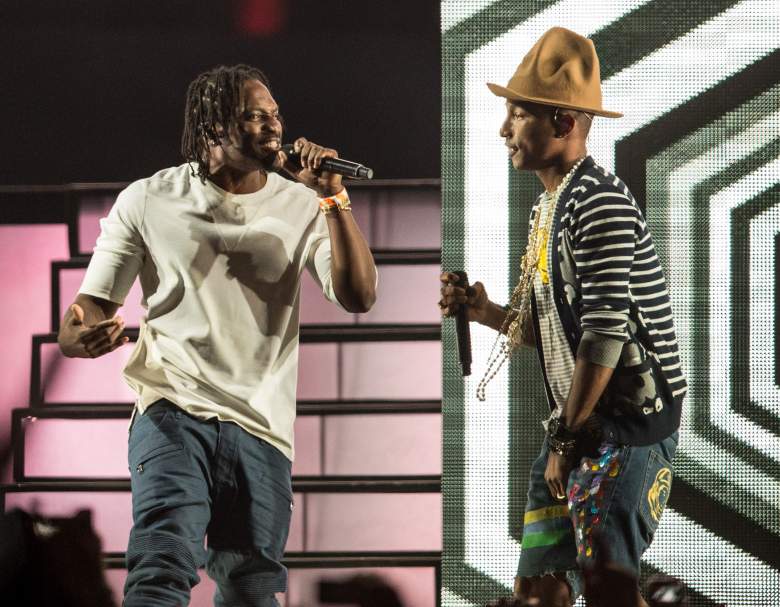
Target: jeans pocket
[[655, 491], [150, 438], [155, 452]]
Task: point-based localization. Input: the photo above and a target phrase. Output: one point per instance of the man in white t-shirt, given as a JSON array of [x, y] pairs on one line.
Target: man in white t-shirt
[[219, 245]]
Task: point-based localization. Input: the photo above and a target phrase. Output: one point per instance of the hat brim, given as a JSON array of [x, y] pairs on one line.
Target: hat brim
[[502, 91]]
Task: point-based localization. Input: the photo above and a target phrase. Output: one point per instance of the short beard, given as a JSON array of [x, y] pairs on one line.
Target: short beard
[[271, 163]]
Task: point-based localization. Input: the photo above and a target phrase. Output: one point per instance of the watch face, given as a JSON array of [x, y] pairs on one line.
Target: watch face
[[552, 426]]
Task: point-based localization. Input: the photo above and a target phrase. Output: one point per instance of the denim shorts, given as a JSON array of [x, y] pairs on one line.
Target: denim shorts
[[190, 479], [618, 494]]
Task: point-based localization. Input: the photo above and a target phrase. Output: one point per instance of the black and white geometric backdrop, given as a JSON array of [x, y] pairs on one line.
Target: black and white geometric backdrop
[[699, 147]]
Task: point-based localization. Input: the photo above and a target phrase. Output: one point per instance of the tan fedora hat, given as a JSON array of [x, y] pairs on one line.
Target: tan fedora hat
[[561, 70]]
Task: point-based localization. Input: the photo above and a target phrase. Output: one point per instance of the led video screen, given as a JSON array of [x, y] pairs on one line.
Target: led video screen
[[699, 147]]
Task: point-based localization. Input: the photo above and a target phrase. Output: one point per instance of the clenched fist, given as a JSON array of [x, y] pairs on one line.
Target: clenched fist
[[309, 172], [453, 297]]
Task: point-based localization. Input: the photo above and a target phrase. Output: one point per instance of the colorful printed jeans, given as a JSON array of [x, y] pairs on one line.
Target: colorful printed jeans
[[190, 478], [620, 494]]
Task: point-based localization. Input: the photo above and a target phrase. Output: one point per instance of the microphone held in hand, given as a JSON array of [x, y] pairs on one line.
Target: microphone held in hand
[[355, 170], [462, 327]]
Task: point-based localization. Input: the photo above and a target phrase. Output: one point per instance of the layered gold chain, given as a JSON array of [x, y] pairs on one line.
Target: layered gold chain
[[517, 322]]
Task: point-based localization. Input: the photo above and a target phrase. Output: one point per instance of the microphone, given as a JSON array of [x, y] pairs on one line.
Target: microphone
[[333, 165], [462, 330]]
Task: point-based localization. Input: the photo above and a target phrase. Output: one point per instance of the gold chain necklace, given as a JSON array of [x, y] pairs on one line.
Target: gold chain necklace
[[515, 325]]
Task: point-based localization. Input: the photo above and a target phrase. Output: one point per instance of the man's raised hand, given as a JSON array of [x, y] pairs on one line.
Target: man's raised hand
[[80, 340], [309, 173]]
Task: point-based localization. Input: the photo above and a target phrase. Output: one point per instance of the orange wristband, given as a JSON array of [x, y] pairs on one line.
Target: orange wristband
[[337, 202]]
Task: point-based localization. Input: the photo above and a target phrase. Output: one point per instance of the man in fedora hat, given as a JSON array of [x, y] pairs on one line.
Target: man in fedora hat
[[592, 300]]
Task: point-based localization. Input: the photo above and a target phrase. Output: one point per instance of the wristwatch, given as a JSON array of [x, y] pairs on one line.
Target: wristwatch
[[556, 428]]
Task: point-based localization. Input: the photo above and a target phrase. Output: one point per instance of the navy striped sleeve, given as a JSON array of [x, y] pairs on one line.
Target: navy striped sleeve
[[605, 223]]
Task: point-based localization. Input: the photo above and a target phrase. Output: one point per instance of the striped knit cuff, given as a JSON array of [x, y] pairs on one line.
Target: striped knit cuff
[[600, 349]]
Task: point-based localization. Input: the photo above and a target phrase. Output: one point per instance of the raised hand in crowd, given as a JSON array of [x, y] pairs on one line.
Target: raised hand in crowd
[[666, 591], [608, 584], [51, 562]]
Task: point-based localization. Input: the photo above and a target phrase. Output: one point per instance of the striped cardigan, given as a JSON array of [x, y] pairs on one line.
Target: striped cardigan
[[610, 294]]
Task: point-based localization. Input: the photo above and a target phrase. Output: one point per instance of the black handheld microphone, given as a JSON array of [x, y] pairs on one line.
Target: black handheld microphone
[[462, 327], [355, 170]]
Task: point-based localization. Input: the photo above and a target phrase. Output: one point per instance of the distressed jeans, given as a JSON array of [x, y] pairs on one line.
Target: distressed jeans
[[619, 493]]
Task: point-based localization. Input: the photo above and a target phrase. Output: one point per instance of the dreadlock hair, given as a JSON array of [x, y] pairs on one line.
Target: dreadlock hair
[[214, 99]]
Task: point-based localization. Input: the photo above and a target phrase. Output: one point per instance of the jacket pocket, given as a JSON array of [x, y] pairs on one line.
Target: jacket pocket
[[633, 390]]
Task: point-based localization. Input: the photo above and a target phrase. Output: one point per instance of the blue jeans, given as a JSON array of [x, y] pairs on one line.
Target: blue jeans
[[618, 494], [191, 478]]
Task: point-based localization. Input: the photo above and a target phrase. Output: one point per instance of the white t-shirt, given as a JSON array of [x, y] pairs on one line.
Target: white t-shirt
[[220, 275]]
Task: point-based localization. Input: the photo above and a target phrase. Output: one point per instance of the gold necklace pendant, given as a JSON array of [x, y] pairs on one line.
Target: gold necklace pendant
[[515, 326]]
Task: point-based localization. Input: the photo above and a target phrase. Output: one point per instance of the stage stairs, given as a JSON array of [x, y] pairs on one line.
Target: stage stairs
[[367, 476]]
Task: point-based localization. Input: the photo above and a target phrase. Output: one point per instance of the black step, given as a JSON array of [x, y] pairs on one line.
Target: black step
[[357, 406], [381, 256], [331, 559], [340, 560], [17, 193], [300, 484], [309, 334], [24, 204], [326, 333], [94, 411]]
